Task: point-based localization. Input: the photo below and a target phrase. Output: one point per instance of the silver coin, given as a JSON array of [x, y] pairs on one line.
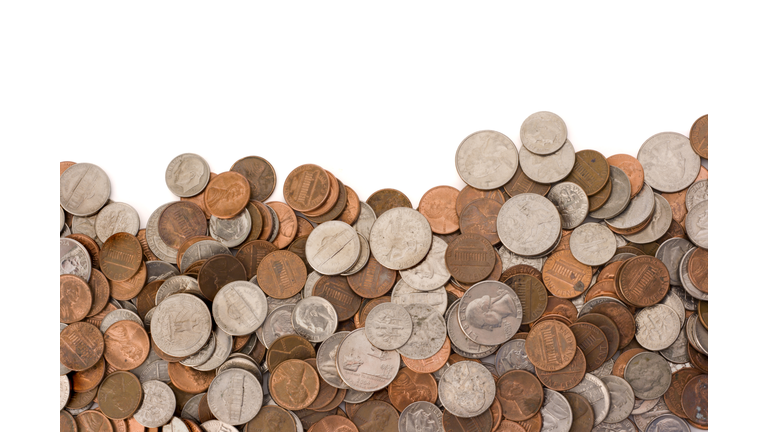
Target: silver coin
[[486, 160], [160, 270], [275, 224], [673, 301], [596, 392], [84, 188], [86, 225], [177, 284], [356, 397], [697, 193], [365, 221], [649, 375], [640, 208], [64, 390], [459, 340], [659, 224], [571, 202], [76, 412], [326, 360], [622, 399], [235, 396], [117, 217], [175, 425], [528, 224], [181, 325], [690, 329], [218, 426], [657, 327], [65, 232], [239, 308], [579, 301], [202, 356], [277, 324], [556, 413], [669, 162], [119, 315], [61, 218], [685, 278], [403, 294], [668, 423], [362, 260], [512, 356], [421, 417], [428, 334], [314, 319], [621, 257], [191, 408], [332, 248], [701, 335], [625, 425], [231, 232], [400, 238], [510, 259], [543, 132], [431, 273], [155, 371], [273, 303], [187, 175], [221, 352], [63, 370], [605, 369], [364, 367], [74, 259], [587, 308], [674, 367], [619, 198], [670, 253], [127, 304], [245, 363], [148, 319], [678, 351], [157, 407], [689, 302], [644, 420], [297, 420], [151, 358], [154, 242], [592, 244], [388, 326], [202, 250], [550, 168], [491, 368], [643, 406], [309, 285], [697, 224], [466, 389], [490, 313]]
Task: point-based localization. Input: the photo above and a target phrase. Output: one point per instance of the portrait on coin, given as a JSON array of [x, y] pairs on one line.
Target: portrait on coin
[[316, 319], [488, 312], [420, 420], [188, 173]]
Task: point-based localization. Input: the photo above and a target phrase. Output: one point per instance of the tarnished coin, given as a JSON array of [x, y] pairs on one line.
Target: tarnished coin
[[520, 394], [337, 291], [314, 318], [619, 197], [482, 422], [470, 258], [438, 206], [179, 222], [271, 418], [154, 241], [555, 412], [622, 399], [598, 395], [115, 218], [388, 326], [235, 396], [671, 253], [568, 377], [387, 199], [550, 168], [219, 270], [332, 248], [583, 415], [364, 367], [528, 224], [421, 416], [564, 276], [643, 281], [432, 272], [239, 308], [120, 395], [181, 325], [550, 345], [696, 400], [231, 232], [326, 360], [698, 269], [400, 238], [697, 224], [669, 162], [260, 175], [187, 175], [512, 356], [277, 324], [365, 220], [592, 342], [93, 421], [659, 224], [307, 187], [490, 313], [640, 209], [521, 183], [590, 171], [428, 334], [486, 159], [74, 259], [459, 340], [700, 136], [592, 244], [372, 281], [81, 345], [158, 405], [657, 327], [649, 375], [75, 298], [84, 188], [466, 389], [479, 217], [532, 295], [543, 133]]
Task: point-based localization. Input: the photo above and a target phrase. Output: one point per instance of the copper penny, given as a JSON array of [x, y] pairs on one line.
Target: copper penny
[[438, 205], [331, 202], [496, 411], [362, 314], [289, 347], [127, 345], [644, 281], [305, 226], [294, 385], [352, 207], [495, 274], [621, 362], [120, 256], [288, 224], [479, 217], [79, 401], [469, 194], [81, 345], [64, 165], [632, 168], [430, 364], [604, 288], [257, 222], [148, 254], [592, 342], [90, 378], [336, 290], [409, 387], [561, 307], [66, 422], [334, 423], [599, 199], [695, 400], [306, 187], [520, 335], [566, 378], [376, 416], [521, 269], [226, 195], [698, 269], [130, 288], [135, 426], [520, 394], [327, 392], [252, 253], [191, 425], [96, 319], [299, 247], [93, 421], [334, 404], [90, 245], [590, 171], [565, 276], [621, 317], [609, 271], [698, 360], [521, 183], [281, 274], [582, 412], [146, 298], [470, 258], [238, 342], [338, 207], [550, 345], [533, 424], [218, 271], [699, 136], [267, 222], [608, 327], [374, 280], [75, 298], [120, 395], [190, 380], [674, 395], [204, 410], [187, 244], [481, 423], [676, 201], [199, 199], [509, 426], [260, 175], [386, 199], [181, 221], [532, 295], [271, 418]]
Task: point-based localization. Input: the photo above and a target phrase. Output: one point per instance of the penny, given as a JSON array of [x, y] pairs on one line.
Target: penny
[[81, 345], [674, 395], [597, 393], [373, 280], [564, 276], [703, 312], [362, 315], [509, 426], [590, 171], [388, 327], [482, 422], [281, 274], [621, 361], [84, 188], [699, 136], [120, 257], [400, 238], [260, 175], [179, 222], [599, 199], [126, 345], [528, 224], [181, 325], [532, 295], [337, 291], [67, 422], [314, 318], [235, 396], [470, 258], [649, 375], [288, 224], [90, 245], [334, 423], [430, 364], [592, 342], [543, 132], [567, 377], [550, 345], [583, 415], [644, 281], [669, 162], [438, 206], [560, 307], [386, 199], [467, 389], [90, 378], [607, 326], [227, 194], [550, 168], [252, 253], [75, 298], [486, 159], [189, 380], [268, 222], [469, 194], [299, 247], [93, 421], [120, 395], [409, 387], [218, 271], [521, 183], [592, 244], [294, 384], [695, 400], [421, 416], [479, 217], [657, 327], [271, 418]]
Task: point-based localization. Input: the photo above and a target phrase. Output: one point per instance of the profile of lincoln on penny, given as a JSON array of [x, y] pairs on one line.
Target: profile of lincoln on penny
[[188, 173], [488, 312]]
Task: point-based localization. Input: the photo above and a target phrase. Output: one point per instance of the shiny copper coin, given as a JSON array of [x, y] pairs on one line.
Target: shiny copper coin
[[479, 217], [561, 307], [592, 342], [218, 271], [146, 298], [695, 400], [699, 136], [632, 168], [565, 241], [252, 253], [226, 195], [352, 207], [127, 345], [621, 317], [590, 171], [306, 187], [481, 423], [191, 425], [336, 210], [674, 395], [532, 295], [374, 280], [120, 395], [438, 205], [96, 319], [333, 198], [533, 424], [327, 392], [470, 258], [334, 423], [582, 412], [281, 274], [366, 309], [90, 378], [271, 418], [496, 411], [190, 380], [79, 401], [621, 362], [469, 194], [644, 281], [676, 201], [130, 288], [520, 394], [75, 298], [599, 199], [288, 224], [550, 345], [608, 327], [567, 377], [81, 345], [386, 199], [90, 245], [430, 364], [187, 244], [605, 288], [260, 175], [289, 347], [376, 416], [199, 199], [63, 166], [409, 387], [703, 310], [564, 276], [698, 360], [181, 221], [521, 183], [336, 290], [294, 384], [698, 269], [509, 426], [267, 222], [520, 269], [93, 421], [120, 256], [609, 271], [675, 230], [66, 422]]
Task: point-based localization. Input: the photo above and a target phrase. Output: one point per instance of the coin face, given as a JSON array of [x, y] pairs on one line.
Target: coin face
[[388, 326], [592, 244], [231, 232], [157, 406], [219, 270], [649, 375], [565, 276], [622, 399], [235, 396], [314, 318], [697, 224], [187, 175], [619, 197], [83, 189], [532, 295], [543, 133], [364, 367], [470, 258], [657, 327], [332, 248], [486, 160], [126, 345], [669, 162], [549, 168], [512, 356], [459, 340], [75, 298], [181, 325], [700, 136], [696, 400], [428, 334], [466, 389], [490, 313], [120, 395], [550, 345], [260, 175], [659, 224], [422, 416], [326, 360], [81, 345], [400, 238], [644, 280], [520, 394], [640, 208], [306, 187], [336, 290], [528, 224], [438, 206], [74, 259], [432, 272], [556, 412], [239, 308]]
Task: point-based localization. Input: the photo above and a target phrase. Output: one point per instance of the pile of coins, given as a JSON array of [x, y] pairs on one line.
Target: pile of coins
[[557, 291]]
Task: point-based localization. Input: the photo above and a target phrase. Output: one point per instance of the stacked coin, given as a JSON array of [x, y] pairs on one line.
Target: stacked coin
[[567, 293]]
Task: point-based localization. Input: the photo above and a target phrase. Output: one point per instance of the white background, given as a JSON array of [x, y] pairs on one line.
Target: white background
[[380, 95]]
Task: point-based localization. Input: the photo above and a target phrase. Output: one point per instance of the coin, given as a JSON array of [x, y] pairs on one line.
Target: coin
[[659, 224], [565, 276], [386, 199], [74, 259], [388, 326], [470, 258], [583, 415], [260, 175], [685, 279], [314, 318], [239, 308], [521, 183], [235, 396], [281, 274], [373, 280], [699, 136], [490, 313], [528, 224], [622, 399], [422, 416], [649, 375], [674, 395], [640, 208], [486, 159], [81, 345], [479, 217], [619, 197], [438, 206], [364, 367], [550, 345], [697, 224], [365, 220], [543, 132], [644, 281], [592, 244], [332, 248], [597, 393], [520, 394], [277, 324], [590, 171], [667, 422], [512, 356], [120, 395], [400, 238], [466, 389], [187, 175], [337, 291], [532, 295], [126, 345], [432, 272], [695, 400], [230, 232], [222, 350], [459, 340], [430, 364], [326, 360], [272, 418], [669, 162], [657, 327], [218, 271], [179, 222], [157, 406], [227, 194], [428, 334], [592, 342], [409, 387], [84, 188], [181, 325], [75, 298]]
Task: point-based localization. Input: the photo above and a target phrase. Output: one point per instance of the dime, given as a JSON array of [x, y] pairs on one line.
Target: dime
[[428, 334], [668, 422], [673, 301], [512, 356], [528, 224], [659, 224], [74, 259], [697, 224], [83, 189], [187, 175], [619, 197], [543, 132], [227, 194], [466, 389], [235, 396], [157, 406], [550, 168], [649, 375], [239, 308], [400, 238], [115, 218], [550, 345], [231, 232], [421, 416], [486, 159], [592, 244], [490, 313], [669, 162], [700, 136], [314, 318], [671, 253], [126, 345], [388, 326], [437, 205], [622, 399], [120, 395], [657, 327], [181, 325], [260, 175], [520, 394], [470, 258]]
